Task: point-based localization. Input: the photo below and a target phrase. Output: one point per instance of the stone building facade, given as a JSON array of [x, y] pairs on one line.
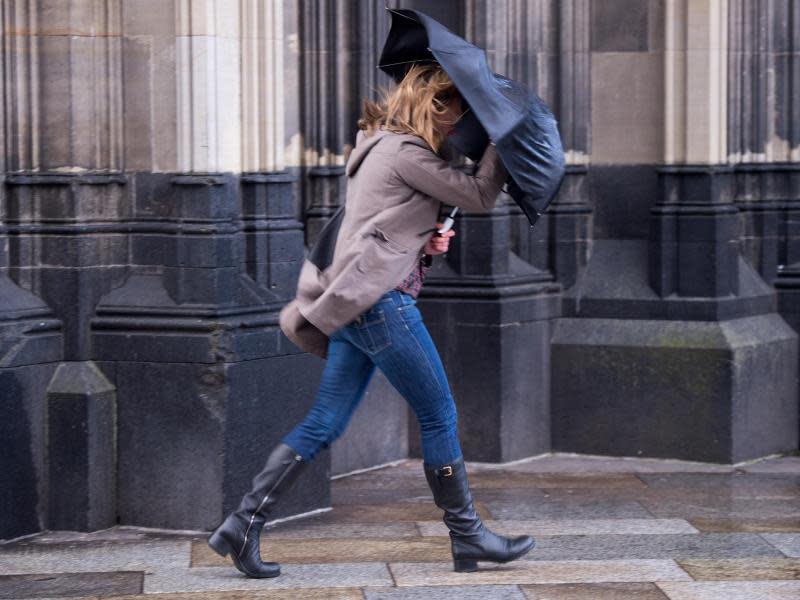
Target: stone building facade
[[167, 163]]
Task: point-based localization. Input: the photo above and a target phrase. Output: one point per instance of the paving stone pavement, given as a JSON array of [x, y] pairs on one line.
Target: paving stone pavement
[[606, 529]]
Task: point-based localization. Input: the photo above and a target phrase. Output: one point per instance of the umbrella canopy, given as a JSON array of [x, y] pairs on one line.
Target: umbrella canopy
[[502, 110]]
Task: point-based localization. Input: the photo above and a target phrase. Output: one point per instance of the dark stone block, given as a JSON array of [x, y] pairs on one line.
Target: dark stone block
[[46, 200], [673, 389], [81, 449], [285, 246], [282, 278], [662, 267], [128, 344], [57, 585], [190, 285], [73, 293], [238, 412], [483, 260], [481, 230], [697, 185], [621, 197], [23, 390], [495, 353], [268, 195], [708, 269], [258, 415], [186, 250], [619, 26], [171, 420], [69, 250], [212, 196], [153, 196], [721, 228]]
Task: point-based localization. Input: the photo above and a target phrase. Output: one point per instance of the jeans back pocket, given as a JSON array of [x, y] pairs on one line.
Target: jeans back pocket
[[373, 331]]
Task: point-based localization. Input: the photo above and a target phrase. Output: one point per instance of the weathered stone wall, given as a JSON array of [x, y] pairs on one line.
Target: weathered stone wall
[[167, 163]]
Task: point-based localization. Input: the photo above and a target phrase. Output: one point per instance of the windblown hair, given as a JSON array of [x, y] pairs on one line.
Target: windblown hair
[[414, 105]]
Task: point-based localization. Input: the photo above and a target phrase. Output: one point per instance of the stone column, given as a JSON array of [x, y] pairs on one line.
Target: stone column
[[764, 141], [489, 311], [682, 356], [63, 185], [568, 234], [215, 253], [329, 39], [339, 45]]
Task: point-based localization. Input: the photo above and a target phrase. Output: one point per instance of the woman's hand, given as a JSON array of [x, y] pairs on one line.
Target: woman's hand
[[439, 242]]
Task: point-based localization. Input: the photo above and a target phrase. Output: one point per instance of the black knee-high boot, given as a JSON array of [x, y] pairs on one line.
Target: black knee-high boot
[[470, 540], [238, 535]]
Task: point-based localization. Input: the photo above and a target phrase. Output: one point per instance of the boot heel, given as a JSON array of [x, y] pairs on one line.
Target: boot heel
[[219, 544], [465, 565]]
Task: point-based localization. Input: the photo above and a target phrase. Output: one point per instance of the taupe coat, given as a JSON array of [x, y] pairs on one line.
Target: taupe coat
[[395, 185]]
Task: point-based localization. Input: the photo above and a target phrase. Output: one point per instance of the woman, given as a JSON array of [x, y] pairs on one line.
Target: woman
[[357, 315]]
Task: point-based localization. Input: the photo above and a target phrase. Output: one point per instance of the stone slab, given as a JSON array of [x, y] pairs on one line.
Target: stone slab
[[536, 527], [788, 543], [385, 513], [685, 495], [42, 585], [464, 592], [724, 507], [559, 462], [343, 530], [660, 546], [593, 591], [565, 571], [730, 481], [580, 509], [785, 525], [209, 579], [341, 496], [294, 594], [513, 479], [780, 464], [341, 550], [732, 590], [85, 558], [742, 569]]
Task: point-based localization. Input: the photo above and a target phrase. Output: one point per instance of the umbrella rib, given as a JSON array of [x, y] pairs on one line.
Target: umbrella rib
[[404, 62], [397, 12]]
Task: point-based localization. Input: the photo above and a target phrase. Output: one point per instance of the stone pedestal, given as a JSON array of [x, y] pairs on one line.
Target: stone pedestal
[[30, 347], [490, 314], [81, 424], [206, 382], [674, 347], [709, 391]]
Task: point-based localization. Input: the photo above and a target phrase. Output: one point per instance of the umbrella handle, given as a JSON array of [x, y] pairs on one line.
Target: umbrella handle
[[448, 222]]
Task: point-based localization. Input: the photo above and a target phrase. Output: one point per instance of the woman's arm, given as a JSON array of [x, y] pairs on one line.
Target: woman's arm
[[423, 170]]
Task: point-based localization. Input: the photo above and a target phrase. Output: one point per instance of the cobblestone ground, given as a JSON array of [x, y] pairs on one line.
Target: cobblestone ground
[[606, 529]]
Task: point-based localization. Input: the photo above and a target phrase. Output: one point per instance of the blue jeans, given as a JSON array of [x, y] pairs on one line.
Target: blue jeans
[[391, 336]]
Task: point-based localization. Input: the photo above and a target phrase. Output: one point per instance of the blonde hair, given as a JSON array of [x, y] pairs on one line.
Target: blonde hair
[[414, 105]]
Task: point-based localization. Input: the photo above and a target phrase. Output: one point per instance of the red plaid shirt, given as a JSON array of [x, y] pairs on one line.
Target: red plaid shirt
[[412, 284]]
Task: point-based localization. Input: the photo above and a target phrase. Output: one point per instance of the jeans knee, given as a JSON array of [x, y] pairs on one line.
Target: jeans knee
[[445, 421]]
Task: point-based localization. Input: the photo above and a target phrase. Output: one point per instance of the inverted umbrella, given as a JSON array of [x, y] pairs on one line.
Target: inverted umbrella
[[502, 110]]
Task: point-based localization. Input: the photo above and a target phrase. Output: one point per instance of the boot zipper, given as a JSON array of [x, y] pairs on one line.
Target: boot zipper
[[297, 459]]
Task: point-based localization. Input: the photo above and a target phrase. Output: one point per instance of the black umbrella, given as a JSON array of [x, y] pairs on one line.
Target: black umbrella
[[516, 119]]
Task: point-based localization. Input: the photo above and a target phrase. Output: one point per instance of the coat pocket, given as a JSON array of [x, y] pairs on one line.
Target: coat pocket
[[385, 240], [381, 254]]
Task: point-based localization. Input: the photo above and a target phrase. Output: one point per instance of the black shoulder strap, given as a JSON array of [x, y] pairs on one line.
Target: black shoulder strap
[[321, 254]]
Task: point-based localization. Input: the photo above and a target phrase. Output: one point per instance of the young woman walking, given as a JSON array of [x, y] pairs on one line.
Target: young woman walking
[[360, 313]]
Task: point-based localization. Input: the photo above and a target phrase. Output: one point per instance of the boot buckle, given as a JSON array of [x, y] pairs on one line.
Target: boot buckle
[[446, 471]]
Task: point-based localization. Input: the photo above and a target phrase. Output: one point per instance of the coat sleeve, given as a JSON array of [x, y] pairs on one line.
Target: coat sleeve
[[421, 169]]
